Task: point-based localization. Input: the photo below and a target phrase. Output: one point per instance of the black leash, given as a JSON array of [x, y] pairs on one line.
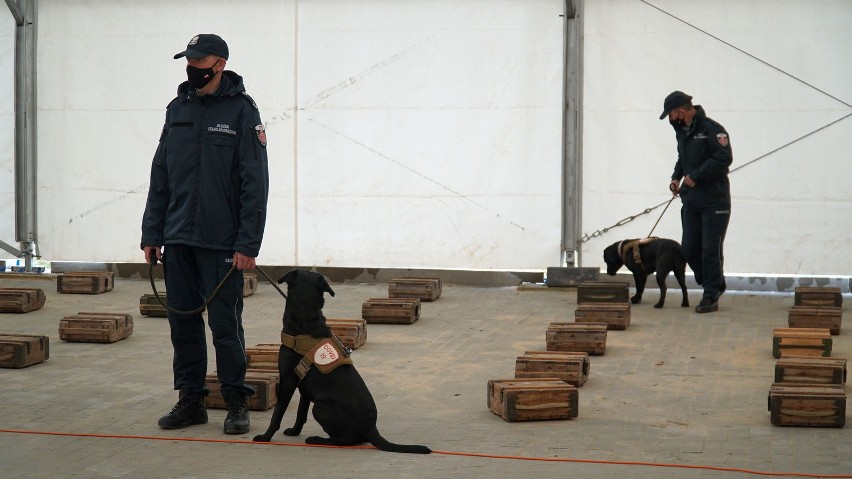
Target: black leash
[[674, 195], [212, 295]]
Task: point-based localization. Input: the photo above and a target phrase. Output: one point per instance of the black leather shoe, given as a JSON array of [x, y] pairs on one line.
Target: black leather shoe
[[237, 421], [189, 410], [707, 306]]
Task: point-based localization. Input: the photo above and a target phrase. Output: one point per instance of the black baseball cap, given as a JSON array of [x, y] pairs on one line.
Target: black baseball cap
[[205, 44], [676, 99]]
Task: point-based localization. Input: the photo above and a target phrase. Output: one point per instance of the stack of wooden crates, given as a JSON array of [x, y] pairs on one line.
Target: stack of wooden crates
[[809, 385], [402, 306]]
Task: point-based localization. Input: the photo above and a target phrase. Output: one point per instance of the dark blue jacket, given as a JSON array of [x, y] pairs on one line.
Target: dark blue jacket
[[209, 178], [704, 153]]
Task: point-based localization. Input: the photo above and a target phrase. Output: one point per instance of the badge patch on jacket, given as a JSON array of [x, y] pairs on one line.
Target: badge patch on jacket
[[723, 139], [260, 131]]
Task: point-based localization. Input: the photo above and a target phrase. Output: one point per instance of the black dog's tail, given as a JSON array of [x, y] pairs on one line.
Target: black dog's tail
[[377, 440]]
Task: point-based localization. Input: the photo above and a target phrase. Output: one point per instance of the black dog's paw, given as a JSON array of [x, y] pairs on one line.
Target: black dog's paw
[[261, 438], [636, 299], [684, 304], [292, 431], [659, 305]]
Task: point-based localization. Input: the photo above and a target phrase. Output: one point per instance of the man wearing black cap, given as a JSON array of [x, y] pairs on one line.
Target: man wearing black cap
[[207, 206], [703, 158]]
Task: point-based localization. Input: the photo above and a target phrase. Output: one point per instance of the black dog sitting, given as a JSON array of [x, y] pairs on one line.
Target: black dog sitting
[[343, 405], [645, 256]]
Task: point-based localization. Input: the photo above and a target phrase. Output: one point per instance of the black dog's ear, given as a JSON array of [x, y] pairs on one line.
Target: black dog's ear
[[323, 285], [288, 276]]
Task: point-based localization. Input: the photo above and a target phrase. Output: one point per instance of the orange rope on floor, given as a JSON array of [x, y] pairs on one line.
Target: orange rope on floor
[[446, 453]]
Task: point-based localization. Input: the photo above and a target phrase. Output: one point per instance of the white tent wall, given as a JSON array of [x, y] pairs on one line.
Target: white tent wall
[[401, 134], [7, 130], [791, 209], [427, 134]]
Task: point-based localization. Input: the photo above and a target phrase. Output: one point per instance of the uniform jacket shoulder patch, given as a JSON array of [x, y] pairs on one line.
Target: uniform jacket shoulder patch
[[722, 138], [260, 133]]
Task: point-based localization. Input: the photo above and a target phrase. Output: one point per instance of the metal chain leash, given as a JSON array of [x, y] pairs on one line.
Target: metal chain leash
[[586, 236]]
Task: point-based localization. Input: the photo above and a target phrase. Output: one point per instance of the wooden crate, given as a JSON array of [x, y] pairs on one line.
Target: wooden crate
[[532, 399], [149, 306], [85, 282], [96, 327], [801, 342], [424, 289], [21, 300], [810, 370], [817, 296], [807, 405], [22, 350], [614, 315], [577, 337], [391, 310], [603, 292], [263, 356], [573, 368], [352, 332], [815, 317], [249, 284], [264, 382]]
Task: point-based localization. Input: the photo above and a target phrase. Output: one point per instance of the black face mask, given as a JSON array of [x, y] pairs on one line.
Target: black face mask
[[200, 77], [678, 124]]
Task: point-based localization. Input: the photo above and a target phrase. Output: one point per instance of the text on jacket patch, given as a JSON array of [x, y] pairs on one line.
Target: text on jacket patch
[[220, 128]]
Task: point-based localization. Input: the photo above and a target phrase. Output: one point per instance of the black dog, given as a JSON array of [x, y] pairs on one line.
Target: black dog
[[654, 254], [343, 405]]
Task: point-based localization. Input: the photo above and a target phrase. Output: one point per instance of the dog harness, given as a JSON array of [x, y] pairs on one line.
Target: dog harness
[[634, 245], [325, 353]]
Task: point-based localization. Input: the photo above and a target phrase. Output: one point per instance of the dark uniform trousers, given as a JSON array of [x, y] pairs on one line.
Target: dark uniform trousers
[[192, 274], [703, 237]]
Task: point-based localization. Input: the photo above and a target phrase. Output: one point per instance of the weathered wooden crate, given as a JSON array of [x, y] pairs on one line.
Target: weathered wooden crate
[[801, 342], [263, 356], [249, 284], [810, 370], [573, 368], [532, 399], [577, 337], [96, 327], [817, 296], [22, 350], [264, 382], [614, 315], [807, 405], [391, 310], [828, 317], [149, 306], [352, 332], [424, 289], [603, 292], [21, 300], [85, 282]]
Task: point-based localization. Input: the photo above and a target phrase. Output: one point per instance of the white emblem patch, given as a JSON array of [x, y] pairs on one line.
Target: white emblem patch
[[194, 40], [723, 139], [326, 354]]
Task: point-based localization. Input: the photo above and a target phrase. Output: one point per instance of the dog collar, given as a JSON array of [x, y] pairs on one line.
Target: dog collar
[[301, 343]]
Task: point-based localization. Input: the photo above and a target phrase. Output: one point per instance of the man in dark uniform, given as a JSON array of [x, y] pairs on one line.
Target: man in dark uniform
[[703, 158], [207, 206]]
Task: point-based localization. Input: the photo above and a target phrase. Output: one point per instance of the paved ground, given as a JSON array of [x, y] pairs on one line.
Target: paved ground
[[675, 388]]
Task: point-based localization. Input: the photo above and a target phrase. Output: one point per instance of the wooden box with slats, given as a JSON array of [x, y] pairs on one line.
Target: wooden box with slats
[[828, 317], [249, 284], [577, 337], [603, 292], [801, 342], [817, 296], [573, 368], [263, 356], [807, 405], [149, 306], [391, 310], [532, 399], [351, 332], [96, 327], [424, 289], [817, 370], [614, 315], [264, 382], [85, 282], [22, 350], [21, 300]]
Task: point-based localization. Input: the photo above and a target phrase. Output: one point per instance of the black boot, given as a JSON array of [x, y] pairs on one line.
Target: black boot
[[237, 421], [189, 410]]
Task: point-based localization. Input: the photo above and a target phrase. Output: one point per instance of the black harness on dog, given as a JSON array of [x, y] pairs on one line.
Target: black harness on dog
[[324, 353], [634, 245]]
